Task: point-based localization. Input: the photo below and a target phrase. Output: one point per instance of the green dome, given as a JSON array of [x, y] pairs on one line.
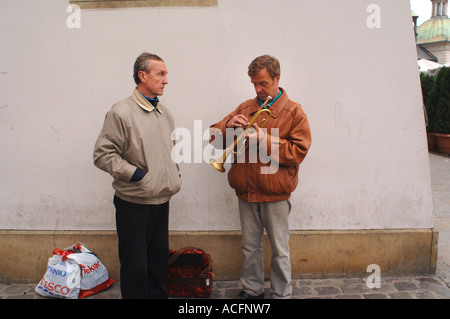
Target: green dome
[[436, 29]]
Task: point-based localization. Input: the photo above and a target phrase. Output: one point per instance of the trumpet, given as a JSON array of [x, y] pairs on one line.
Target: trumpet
[[218, 164]]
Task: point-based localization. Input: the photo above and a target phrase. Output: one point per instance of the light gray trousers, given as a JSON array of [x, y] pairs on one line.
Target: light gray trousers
[[273, 217]]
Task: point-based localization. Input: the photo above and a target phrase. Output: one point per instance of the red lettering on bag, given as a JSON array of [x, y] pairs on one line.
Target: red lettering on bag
[[50, 286], [88, 269], [67, 290]]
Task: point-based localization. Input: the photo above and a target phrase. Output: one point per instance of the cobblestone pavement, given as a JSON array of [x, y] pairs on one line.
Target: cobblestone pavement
[[404, 287], [427, 286]]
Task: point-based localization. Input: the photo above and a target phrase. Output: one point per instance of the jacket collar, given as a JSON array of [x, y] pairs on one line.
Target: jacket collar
[[143, 102]]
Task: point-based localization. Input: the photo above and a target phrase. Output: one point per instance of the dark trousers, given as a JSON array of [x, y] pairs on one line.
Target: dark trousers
[[143, 232]]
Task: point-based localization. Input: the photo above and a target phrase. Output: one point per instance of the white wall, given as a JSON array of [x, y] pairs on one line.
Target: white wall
[[368, 165]]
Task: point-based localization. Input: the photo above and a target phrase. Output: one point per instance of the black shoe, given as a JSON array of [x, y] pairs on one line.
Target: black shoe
[[244, 295]]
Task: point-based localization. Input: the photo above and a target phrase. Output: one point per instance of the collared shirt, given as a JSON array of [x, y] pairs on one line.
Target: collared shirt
[[153, 101], [260, 102]]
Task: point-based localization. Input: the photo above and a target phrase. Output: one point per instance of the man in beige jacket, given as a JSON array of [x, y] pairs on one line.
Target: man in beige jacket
[[134, 146]]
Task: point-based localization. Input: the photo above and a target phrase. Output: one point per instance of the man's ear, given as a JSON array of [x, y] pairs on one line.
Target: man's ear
[[142, 76]]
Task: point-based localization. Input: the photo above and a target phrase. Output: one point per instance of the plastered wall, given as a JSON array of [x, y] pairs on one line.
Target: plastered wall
[[351, 64]]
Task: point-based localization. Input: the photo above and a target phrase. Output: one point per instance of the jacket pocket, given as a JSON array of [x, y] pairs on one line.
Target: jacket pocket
[[142, 188], [164, 182], [237, 177], [172, 182], [284, 181]]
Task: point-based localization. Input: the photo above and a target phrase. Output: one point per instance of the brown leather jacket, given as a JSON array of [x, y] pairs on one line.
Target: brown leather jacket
[[293, 141]]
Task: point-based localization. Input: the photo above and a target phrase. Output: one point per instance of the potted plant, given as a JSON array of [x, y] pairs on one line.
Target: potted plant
[[443, 111], [427, 83]]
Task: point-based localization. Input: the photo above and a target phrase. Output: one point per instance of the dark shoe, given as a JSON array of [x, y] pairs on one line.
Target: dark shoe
[[244, 295]]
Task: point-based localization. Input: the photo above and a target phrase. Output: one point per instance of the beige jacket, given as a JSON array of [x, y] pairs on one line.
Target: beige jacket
[[137, 135]]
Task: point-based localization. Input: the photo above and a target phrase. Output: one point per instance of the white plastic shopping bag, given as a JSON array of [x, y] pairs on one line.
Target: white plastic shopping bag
[[94, 275], [62, 278], [74, 272]]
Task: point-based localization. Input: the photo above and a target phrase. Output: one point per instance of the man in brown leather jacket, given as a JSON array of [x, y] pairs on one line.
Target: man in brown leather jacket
[[263, 195]]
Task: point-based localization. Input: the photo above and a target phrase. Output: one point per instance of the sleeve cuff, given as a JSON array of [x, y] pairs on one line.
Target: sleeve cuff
[[138, 175]]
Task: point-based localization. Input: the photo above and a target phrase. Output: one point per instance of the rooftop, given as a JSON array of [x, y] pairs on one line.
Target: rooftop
[[436, 29]]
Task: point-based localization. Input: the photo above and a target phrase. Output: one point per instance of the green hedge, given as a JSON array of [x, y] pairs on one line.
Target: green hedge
[[436, 97]]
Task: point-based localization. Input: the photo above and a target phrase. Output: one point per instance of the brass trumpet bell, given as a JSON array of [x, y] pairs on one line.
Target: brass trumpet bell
[[218, 166]]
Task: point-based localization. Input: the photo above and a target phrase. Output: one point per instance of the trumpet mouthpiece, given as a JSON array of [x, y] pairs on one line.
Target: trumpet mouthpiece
[[269, 97]]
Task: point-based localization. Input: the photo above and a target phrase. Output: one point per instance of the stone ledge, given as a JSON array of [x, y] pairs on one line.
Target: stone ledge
[[314, 253]]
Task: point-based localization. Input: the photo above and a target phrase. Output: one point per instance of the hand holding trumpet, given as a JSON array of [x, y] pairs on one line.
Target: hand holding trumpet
[[250, 128], [237, 121], [252, 133]]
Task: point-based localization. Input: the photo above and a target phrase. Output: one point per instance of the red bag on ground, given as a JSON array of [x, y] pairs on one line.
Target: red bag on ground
[[189, 273]]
